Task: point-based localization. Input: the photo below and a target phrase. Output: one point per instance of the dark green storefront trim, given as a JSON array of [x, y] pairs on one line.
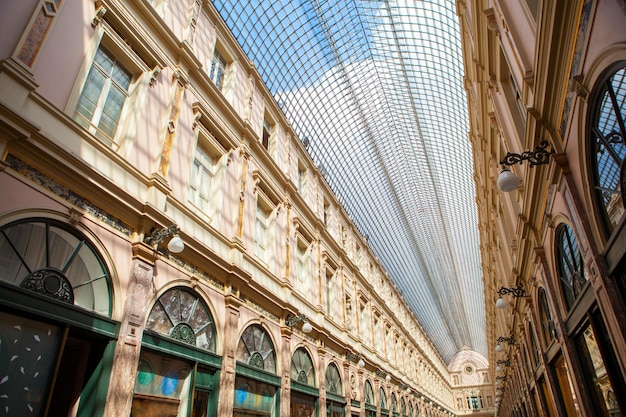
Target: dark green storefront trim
[[180, 349], [44, 307], [335, 398], [258, 374]]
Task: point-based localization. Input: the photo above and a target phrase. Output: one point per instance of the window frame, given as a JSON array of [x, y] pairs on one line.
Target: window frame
[[578, 277], [593, 114], [141, 75], [219, 57], [216, 151]]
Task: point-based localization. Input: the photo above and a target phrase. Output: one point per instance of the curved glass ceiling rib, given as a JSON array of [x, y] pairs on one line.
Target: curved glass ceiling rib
[[376, 88]]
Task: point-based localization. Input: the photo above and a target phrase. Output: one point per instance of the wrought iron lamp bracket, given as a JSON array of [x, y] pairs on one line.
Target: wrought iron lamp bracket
[[291, 321], [157, 236], [539, 156], [510, 340], [516, 292]]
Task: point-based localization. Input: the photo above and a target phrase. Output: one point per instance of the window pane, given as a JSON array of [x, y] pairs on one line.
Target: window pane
[[182, 315], [91, 92], [112, 111], [121, 77], [104, 59]]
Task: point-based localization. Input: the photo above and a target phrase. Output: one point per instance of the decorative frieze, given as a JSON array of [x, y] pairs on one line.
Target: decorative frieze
[[67, 194]]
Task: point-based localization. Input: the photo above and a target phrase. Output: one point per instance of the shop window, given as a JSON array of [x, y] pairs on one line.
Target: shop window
[[48, 366], [48, 257], [161, 388], [607, 141], [601, 370], [253, 398], [570, 265], [302, 372], [370, 401], [169, 381], [256, 349], [182, 315], [567, 393]]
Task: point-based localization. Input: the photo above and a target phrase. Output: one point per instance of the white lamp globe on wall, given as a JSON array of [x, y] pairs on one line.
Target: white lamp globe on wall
[[306, 327], [176, 244], [501, 303], [499, 348], [507, 181]]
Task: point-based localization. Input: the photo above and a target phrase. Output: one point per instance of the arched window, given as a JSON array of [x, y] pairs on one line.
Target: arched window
[[403, 409], [333, 380], [302, 369], [52, 258], [547, 324], [370, 401], [256, 349], [569, 264], [383, 400], [394, 403], [607, 141], [182, 315]]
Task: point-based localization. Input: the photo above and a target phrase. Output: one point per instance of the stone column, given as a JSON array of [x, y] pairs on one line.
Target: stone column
[[226, 396], [128, 347], [321, 372], [284, 357]]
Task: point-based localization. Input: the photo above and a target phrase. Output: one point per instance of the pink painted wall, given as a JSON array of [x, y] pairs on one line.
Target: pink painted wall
[[63, 52], [14, 16]]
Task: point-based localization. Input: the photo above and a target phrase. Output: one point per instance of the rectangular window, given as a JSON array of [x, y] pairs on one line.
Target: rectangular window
[[207, 173], [329, 292], [201, 178], [326, 213], [261, 230], [301, 179], [267, 132], [301, 256], [103, 96], [218, 69]]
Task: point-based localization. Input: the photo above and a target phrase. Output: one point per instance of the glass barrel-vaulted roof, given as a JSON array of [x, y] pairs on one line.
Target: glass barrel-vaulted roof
[[374, 89]]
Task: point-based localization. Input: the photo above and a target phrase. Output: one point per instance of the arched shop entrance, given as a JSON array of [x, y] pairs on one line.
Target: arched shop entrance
[[256, 382], [56, 336]]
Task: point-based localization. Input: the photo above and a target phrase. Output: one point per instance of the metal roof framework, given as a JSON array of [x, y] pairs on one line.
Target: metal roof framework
[[376, 88]]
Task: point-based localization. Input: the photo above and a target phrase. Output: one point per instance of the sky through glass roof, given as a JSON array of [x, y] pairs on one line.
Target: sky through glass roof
[[376, 88]]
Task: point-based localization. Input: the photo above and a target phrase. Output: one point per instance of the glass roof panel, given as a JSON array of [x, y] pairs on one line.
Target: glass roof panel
[[376, 88]]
